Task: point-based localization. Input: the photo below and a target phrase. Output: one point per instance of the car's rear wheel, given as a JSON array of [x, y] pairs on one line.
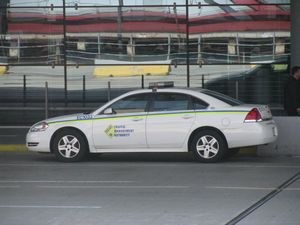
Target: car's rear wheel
[[69, 146], [208, 146]]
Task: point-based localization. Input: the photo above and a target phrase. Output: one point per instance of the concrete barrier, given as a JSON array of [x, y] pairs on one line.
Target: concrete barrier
[[288, 142], [3, 70], [115, 68], [13, 148], [131, 70]]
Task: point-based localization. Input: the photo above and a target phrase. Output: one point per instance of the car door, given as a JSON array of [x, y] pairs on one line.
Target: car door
[[169, 120], [122, 124]]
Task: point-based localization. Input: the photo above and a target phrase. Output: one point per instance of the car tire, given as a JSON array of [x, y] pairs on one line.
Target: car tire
[[69, 146], [209, 146]]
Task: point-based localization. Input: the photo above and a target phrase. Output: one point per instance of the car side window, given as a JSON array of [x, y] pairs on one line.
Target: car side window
[[199, 104], [170, 102], [131, 104]]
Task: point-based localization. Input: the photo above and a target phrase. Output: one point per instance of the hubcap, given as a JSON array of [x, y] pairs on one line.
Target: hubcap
[[207, 147], [68, 146]]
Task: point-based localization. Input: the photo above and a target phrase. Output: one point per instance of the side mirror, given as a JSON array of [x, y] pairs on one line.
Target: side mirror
[[108, 111]]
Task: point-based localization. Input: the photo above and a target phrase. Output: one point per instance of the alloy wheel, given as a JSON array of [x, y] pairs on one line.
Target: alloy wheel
[[207, 146], [69, 146]]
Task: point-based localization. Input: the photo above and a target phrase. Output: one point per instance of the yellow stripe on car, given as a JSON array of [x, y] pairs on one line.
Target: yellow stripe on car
[[150, 115]]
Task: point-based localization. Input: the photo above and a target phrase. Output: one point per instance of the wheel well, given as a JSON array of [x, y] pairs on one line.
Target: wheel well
[[68, 128], [204, 128]]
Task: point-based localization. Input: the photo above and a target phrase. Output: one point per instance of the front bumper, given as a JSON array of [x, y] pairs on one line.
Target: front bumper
[[38, 141]]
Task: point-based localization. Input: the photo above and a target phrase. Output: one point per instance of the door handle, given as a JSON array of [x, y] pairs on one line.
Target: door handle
[[187, 117], [137, 119]]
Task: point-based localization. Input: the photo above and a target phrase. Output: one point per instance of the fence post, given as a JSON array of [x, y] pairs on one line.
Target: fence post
[[202, 80], [108, 91], [24, 90], [46, 100], [83, 90], [143, 84], [237, 89]]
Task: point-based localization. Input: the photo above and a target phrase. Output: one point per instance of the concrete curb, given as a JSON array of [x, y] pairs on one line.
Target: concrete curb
[[248, 151], [13, 148]]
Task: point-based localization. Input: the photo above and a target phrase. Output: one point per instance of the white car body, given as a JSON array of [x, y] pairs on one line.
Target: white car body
[[160, 131]]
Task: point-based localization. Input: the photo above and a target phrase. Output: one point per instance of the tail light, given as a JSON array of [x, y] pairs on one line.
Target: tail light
[[253, 116]]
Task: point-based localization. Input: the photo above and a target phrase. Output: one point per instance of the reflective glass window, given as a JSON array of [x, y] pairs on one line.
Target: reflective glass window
[[170, 102], [131, 104]]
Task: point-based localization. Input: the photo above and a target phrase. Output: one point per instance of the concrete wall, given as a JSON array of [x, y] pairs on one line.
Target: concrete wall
[[288, 142]]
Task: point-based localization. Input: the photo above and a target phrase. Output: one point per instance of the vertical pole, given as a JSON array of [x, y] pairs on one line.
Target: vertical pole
[[199, 49], [83, 90], [65, 51], [202, 80], [143, 84], [237, 89], [108, 91], [19, 48], [169, 47], [120, 14], [274, 46], [237, 47], [46, 100], [99, 45], [187, 44], [131, 48], [24, 90]]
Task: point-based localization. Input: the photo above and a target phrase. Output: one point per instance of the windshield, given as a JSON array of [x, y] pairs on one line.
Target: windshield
[[224, 98]]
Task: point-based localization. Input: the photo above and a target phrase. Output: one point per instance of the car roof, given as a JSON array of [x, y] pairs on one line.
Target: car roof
[[213, 103], [196, 92]]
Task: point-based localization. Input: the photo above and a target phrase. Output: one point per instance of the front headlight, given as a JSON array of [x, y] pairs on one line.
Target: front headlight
[[42, 126]]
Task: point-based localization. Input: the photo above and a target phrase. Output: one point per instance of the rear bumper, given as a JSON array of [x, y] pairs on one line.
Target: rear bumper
[[256, 133]]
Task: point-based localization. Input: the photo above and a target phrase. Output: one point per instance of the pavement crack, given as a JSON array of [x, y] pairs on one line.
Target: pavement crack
[[264, 200]]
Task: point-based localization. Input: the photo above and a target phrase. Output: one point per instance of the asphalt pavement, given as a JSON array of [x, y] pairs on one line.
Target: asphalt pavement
[[148, 189]]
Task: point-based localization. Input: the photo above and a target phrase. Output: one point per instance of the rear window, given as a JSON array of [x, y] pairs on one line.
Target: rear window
[[224, 98]]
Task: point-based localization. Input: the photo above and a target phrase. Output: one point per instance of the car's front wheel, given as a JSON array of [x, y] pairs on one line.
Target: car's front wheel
[[208, 146], [69, 146]]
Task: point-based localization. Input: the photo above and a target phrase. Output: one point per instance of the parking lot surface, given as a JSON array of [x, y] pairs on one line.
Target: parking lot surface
[[150, 189]]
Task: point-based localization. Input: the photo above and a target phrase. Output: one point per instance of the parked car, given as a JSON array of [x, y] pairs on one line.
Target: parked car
[[157, 120]]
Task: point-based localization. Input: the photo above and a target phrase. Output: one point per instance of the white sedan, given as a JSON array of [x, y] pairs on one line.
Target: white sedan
[[209, 124]]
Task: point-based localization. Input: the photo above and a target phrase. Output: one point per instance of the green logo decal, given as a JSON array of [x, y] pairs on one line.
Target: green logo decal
[[118, 131], [110, 131]]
